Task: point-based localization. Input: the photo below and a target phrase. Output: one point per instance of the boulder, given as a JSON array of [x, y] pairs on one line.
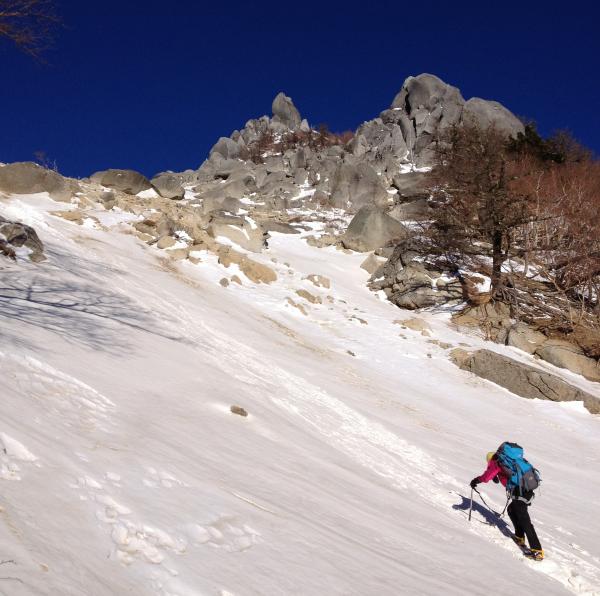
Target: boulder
[[430, 106], [411, 282], [319, 280], [169, 185], [521, 379], [372, 263], [372, 228], [272, 225], [254, 271], [523, 337], [24, 178], [230, 149], [564, 354], [356, 186], [239, 230], [416, 324], [285, 112], [14, 235], [487, 113], [166, 242], [418, 210], [210, 204], [309, 297], [239, 411], [127, 181], [411, 185], [257, 272], [156, 225], [417, 286]]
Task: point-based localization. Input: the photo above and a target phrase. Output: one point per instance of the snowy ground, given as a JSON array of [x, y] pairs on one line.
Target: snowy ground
[[124, 472]]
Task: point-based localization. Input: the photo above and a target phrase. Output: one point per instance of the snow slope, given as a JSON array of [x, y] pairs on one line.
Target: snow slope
[[124, 472]]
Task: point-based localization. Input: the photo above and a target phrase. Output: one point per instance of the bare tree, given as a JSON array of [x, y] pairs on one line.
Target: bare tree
[[479, 204], [29, 24]]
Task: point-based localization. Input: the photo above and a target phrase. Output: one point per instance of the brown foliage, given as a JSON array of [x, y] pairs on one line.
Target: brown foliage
[[29, 24], [537, 212], [315, 139]]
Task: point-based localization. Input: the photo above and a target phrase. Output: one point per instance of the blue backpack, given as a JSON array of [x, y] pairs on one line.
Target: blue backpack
[[519, 472]]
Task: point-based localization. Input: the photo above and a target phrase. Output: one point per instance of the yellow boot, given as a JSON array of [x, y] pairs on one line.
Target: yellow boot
[[537, 554]]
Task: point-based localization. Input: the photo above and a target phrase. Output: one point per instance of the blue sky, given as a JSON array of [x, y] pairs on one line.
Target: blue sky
[[151, 86]]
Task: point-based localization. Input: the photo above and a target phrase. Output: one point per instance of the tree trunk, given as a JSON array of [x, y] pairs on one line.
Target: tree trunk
[[497, 260]]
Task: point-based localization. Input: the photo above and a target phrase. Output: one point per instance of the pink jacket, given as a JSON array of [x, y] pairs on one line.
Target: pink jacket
[[491, 471]]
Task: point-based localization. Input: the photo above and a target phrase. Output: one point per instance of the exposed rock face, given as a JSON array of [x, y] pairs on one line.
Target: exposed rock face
[[29, 178], [372, 228], [521, 379], [427, 106], [127, 181], [14, 235], [357, 185], [274, 159], [566, 355], [412, 282]]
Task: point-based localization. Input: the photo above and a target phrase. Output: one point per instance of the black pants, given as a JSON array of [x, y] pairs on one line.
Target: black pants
[[519, 516]]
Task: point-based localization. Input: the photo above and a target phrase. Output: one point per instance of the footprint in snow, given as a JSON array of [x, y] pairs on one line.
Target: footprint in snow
[[162, 478], [225, 533], [11, 452]]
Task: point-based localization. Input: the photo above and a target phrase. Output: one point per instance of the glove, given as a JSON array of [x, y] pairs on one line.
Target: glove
[[475, 482]]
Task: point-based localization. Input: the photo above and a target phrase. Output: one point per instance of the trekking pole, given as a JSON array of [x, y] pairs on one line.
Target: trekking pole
[[488, 507], [471, 507]]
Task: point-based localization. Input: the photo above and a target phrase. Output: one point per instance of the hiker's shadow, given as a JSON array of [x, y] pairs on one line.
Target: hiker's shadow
[[491, 518]]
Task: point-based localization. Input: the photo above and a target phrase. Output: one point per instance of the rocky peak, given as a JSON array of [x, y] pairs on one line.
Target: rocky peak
[[426, 91], [426, 105], [285, 112]]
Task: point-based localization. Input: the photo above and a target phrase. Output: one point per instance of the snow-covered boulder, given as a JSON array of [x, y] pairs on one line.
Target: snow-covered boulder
[[14, 235], [238, 230]]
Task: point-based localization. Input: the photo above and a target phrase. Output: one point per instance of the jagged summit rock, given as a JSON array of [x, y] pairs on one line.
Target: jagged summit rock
[[285, 112], [429, 92], [426, 105]]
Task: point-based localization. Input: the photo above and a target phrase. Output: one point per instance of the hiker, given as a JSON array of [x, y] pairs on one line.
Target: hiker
[[520, 496]]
